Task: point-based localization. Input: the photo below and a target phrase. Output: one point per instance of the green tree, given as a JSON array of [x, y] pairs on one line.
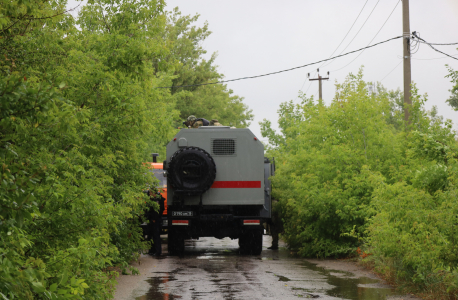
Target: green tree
[[325, 156], [79, 112], [77, 108], [412, 235], [191, 68], [453, 100], [354, 174]]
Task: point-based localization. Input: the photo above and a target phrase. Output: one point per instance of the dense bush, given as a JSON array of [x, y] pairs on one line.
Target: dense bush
[[79, 112], [353, 174], [413, 232], [73, 133], [324, 157]]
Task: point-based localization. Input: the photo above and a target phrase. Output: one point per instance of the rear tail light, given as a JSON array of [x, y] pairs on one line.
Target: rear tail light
[[180, 222], [251, 222]]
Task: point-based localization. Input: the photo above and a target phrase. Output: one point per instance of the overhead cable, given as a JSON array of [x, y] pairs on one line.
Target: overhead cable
[[304, 84], [340, 41], [359, 29], [372, 38], [309, 85], [282, 71], [433, 58], [414, 46], [391, 71], [436, 44], [349, 30], [415, 35]]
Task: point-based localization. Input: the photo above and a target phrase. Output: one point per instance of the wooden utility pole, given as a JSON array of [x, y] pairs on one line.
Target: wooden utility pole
[[406, 58], [319, 80]]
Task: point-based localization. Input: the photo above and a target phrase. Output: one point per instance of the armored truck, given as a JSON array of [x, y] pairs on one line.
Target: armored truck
[[218, 186]]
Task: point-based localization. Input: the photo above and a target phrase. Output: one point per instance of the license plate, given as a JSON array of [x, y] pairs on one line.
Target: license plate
[[182, 213]]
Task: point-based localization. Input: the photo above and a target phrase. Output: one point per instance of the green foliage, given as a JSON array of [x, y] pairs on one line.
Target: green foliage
[[183, 58], [54, 211], [207, 101], [416, 217], [325, 156], [453, 100], [354, 174], [79, 113], [214, 102], [184, 40]]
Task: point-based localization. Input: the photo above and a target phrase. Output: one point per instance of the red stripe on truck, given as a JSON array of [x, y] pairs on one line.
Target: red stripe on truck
[[236, 185]]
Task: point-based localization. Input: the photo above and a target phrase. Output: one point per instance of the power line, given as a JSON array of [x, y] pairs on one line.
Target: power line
[[433, 58], [339, 43], [359, 29], [436, 44], [308, 87], [282, 71], [304, 84], [391, 71], [372, 38], [414, 46], [422, 40], [349, 29]]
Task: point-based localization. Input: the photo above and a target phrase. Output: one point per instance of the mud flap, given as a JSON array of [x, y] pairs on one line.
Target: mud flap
[[250, 241], [175, 242]]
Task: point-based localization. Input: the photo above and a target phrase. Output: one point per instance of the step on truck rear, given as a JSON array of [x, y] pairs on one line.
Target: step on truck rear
[[218, 186]]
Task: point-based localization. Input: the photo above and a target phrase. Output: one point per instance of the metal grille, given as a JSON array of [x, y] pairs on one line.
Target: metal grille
[[223, 146]]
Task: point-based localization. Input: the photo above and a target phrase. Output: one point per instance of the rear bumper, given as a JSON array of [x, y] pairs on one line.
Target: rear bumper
[[219, 226]]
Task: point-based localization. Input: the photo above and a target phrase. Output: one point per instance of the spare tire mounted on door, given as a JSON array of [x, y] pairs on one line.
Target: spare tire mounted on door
[[191, 171]]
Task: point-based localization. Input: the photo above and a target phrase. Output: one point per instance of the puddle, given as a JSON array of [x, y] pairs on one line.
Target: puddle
[[220, 265], [362, 288], [153, 293]]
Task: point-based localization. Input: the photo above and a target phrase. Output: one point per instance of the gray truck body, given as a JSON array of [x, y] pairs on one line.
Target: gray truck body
[[237, 201]]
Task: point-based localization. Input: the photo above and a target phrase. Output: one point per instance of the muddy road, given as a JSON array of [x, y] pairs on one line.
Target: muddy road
[[213, 269]]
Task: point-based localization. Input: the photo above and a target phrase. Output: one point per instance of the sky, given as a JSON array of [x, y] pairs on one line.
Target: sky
[[261, 36], [254, 37]]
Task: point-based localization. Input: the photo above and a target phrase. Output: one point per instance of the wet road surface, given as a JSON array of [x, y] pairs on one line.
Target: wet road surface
[[213, 269]]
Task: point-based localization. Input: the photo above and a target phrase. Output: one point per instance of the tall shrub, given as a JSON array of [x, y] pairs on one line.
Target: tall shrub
[[324, 158], [76, 109]]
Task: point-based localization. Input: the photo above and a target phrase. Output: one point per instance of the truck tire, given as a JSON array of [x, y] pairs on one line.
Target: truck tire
[[175, 243], [191, 171], [250, 242]]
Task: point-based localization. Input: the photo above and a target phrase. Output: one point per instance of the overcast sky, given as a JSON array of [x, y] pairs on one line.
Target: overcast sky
[[254, 37]]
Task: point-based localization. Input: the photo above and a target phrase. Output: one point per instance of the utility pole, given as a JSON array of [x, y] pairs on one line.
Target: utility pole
[[319, 80], [406, 58]]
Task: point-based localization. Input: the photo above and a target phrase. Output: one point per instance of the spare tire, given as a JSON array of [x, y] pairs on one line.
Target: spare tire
[[191, 171]]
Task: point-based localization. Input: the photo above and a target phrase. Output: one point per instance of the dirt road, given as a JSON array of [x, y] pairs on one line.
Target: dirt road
[[213, 269]]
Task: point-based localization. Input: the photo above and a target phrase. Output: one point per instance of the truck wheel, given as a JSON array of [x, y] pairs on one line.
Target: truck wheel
[[175, 243], [250, 242], [191, 171]]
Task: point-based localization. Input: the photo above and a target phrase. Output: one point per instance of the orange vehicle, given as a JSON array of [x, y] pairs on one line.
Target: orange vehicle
[[157, 169]]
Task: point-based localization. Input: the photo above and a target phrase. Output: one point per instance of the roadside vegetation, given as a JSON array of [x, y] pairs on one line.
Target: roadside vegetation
[[354, 178], [79, 112]]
